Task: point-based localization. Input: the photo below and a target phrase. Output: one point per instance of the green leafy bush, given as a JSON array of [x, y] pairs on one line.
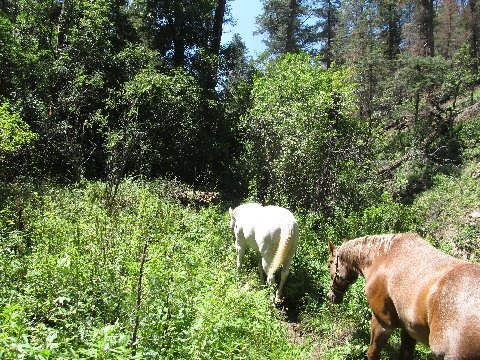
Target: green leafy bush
[[158, 131], [469, 134], [14, 132], [303, 145]]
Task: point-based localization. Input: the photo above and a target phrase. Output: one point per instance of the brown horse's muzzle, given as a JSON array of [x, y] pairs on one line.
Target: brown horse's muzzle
[[335, 296]]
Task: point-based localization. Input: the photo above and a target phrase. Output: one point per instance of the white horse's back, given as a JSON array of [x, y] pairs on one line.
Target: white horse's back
[[286, 222], [271, 230]]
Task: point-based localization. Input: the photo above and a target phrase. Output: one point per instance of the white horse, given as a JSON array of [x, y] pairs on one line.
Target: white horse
[[270, 230]]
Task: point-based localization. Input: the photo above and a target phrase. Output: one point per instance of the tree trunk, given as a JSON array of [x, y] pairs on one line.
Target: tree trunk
[[290, 45], [215, 42], [474, 35], [58, 35], [61, 29], [393, 32], [176, 25], [217, 27], [426, 23], [329, 32]]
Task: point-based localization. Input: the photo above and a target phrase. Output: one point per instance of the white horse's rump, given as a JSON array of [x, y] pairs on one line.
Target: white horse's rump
[[270, 230]]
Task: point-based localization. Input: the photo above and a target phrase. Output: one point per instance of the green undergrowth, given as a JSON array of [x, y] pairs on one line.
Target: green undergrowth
[[71, 267], [70, 264], [71, 261], [446, 210]]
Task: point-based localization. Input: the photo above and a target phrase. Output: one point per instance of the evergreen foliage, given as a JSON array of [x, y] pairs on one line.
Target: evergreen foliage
[[288, 26]]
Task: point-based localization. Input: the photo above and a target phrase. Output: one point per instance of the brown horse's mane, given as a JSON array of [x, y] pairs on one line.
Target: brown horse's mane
[[360, 252]]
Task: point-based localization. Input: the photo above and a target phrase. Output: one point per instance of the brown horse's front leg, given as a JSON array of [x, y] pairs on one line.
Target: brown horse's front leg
[[378, 339], [407, 347]]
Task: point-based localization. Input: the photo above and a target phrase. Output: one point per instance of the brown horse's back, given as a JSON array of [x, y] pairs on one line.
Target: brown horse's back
[[454, 314], [411, 268]]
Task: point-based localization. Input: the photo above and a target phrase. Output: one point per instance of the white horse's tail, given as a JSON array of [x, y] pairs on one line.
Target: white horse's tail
[[286, 245]]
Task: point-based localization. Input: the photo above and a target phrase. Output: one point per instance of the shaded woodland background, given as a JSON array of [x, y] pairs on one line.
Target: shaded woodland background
[[145, 88]]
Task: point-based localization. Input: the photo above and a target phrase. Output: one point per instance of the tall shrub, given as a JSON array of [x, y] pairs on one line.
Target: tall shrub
[[16, 138], [304, 147]]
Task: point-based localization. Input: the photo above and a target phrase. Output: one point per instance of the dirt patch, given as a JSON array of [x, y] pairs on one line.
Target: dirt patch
[[296, 331], [291, 312]]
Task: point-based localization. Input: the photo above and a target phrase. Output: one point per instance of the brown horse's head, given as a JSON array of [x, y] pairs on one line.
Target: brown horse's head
[[341, 275]]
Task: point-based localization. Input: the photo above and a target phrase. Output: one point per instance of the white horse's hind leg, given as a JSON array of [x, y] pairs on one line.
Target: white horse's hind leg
[[271, 279], [265, 266], [283, 278], [240, 254], [260, 271]]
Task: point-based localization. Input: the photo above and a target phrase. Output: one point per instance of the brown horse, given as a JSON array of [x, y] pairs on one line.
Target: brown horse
[[434, 298]]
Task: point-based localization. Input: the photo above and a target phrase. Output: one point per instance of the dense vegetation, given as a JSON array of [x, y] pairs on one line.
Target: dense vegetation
[[116, 117]]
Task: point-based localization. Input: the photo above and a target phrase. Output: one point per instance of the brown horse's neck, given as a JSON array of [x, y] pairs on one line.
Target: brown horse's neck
[[361, 252]]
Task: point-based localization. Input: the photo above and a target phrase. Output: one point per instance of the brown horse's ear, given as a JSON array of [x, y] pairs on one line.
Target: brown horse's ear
[[331, 247]]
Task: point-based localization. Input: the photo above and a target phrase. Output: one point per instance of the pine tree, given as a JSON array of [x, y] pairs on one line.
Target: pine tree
[[390, 14], [420, 28], [447, 31], [358, 44], [177, 29], [327, 13], [289, 26]]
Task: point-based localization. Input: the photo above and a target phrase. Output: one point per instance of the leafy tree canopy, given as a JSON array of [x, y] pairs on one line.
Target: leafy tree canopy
[[303, 136]]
